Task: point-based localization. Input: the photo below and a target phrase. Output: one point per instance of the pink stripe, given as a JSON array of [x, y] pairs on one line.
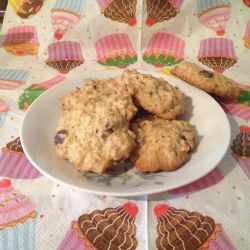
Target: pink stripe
[[64, 50], [17, 166], [222, 241], [245, 165], [177, 3], [209, 180], [216, 47], [52, 82], [3, 106], [71, 241], [9, 85], [247, 33], [103, 3]]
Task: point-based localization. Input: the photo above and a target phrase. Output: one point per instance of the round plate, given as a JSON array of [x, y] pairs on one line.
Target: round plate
[[202, 111]]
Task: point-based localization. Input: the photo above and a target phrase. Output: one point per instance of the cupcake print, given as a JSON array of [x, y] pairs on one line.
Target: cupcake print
[[4, 109], [122, 11], [14, 163], [64, 56], [17, 218], [22, 41], [111, 228], [115, 50], [65, 15]]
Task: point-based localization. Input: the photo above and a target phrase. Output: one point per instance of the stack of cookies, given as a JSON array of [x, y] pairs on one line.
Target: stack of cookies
[[128, 117]]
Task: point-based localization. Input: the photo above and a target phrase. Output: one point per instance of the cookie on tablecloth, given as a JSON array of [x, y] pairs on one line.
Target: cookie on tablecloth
[[208, 81], [155, 95], [111, 228], [93, 131], [162, 145]]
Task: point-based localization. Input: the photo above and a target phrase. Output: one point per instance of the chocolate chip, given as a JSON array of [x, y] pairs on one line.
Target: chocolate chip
[[60, 136], [206, 73], [151, 93], [107, 125]]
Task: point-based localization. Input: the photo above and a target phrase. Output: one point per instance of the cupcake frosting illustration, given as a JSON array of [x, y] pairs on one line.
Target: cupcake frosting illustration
[[115, 50], [247, 36], [119, 10], [64, 56], [17, 218], [217, 53], [21, 41], [246, 2], [181, 229], [12, 78], [33, 91], [214, 14], [65, 15], [162, 10], [241, 149], [164, 50], [14, 163], [26, 8], [4, 109], [111, 228]]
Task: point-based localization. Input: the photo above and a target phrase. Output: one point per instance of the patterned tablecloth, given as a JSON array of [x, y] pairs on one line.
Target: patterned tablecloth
[[68, 38]]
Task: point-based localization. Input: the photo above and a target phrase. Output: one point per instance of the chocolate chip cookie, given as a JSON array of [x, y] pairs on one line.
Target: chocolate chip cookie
[[208, 81], [162, 145], [155, 95]]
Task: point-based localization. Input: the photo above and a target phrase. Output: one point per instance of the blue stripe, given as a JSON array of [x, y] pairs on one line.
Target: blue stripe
[[203, 5], [14, 75], [5, 238], [75, 6], [16, 233], [2, 119]]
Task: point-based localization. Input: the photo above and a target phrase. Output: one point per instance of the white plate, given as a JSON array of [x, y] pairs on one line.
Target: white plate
[[202, 111]]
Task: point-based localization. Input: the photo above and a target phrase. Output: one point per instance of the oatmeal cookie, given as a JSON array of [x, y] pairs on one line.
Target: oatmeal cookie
[[162, 144], [155, 95], [93, 142], [208, 81]]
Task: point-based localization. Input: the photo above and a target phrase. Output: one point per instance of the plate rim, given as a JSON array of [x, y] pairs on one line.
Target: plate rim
[[159, 190]]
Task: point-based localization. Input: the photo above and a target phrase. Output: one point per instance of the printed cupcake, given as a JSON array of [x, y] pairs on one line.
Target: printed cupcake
[[12, 79], [65, 15], [214, 14], [14, 163], [247, 3], [35, 90], [64, 56], [4, 109], [164, 50], [181, 229], [21, 41], [162, 10], [17, 218], [115, 50], [111, 228], [241, 149], [26, 8], [122, 11], [217, 53]]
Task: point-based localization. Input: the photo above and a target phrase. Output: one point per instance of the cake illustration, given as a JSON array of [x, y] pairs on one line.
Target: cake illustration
[[164, 50], [217, 53], [209, 180], [162, 10], [241, 149], [239, 107], [64, 56], [14, 163], [12, 78], [21, 41], [17, 218], [181, 229], [119, 10], [111, 228], [26, 8], [33, 91], [4, 109], [246, 2], [214, 14], [247, 35], [115, 50], [65, 15]]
